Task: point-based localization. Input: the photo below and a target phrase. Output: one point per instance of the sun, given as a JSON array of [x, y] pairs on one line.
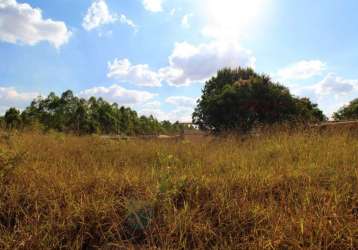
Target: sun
[[231, 18]]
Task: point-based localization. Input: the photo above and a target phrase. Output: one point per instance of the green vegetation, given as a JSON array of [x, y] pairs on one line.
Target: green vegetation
[[349, 112], [12, 118], [240, 99], [277, 191], [69, 113], [234, 100]]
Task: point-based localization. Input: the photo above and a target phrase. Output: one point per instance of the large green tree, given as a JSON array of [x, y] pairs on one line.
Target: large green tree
[[239, 99], [348, 112]]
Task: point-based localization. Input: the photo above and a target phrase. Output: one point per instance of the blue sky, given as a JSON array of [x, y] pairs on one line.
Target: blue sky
[[155, 55]]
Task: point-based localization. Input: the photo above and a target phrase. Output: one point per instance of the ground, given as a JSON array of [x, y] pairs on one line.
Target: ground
[[277, 190]]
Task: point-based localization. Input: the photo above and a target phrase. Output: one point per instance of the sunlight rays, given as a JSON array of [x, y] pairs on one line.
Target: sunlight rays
[[230, 19]]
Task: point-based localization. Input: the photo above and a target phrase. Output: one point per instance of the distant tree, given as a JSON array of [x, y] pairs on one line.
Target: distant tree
[[239, 99], [2, 122], [69, 113], [80, 120], [348, 112], [32, 113], [308, 111], [168, 127], [12, 118]]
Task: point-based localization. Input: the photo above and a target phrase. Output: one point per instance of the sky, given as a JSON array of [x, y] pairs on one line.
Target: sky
[[155, 55]]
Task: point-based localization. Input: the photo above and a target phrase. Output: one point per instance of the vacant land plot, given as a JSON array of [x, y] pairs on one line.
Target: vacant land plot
[[276, 191]]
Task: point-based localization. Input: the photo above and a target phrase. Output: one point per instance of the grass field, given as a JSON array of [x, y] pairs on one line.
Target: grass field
[[277, 191]]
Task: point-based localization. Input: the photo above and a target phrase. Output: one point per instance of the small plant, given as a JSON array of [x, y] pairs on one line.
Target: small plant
[[138, 219]]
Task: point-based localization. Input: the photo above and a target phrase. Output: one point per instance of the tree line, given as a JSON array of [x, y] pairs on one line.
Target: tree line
[[69, 113], [235, 99]]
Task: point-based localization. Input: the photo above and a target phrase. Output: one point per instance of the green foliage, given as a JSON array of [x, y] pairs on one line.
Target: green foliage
[[69, 113], [349, 112], [239, 99], [12, 118], [2, 122], [308, 111]]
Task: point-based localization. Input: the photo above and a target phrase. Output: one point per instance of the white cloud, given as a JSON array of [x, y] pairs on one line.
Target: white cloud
[[98, 14], [331, 86], [172, 12], [153, 5], [151, 105], [153, 108], [21, 23], [185, 20], [301, 70], [125, 20], [10, 94], [181, 114], [182, 101], [189, 63], [118, 94], [182, 111], [335, 85], [10, 97], [139, 74], [330, 93]]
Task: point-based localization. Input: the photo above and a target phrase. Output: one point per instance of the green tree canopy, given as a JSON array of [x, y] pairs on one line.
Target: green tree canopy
[[239, 99], [12, 118], [348, 112], [69, 113]]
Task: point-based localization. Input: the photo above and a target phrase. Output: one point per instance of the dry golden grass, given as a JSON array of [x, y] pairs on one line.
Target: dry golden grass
[[277, 191]]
